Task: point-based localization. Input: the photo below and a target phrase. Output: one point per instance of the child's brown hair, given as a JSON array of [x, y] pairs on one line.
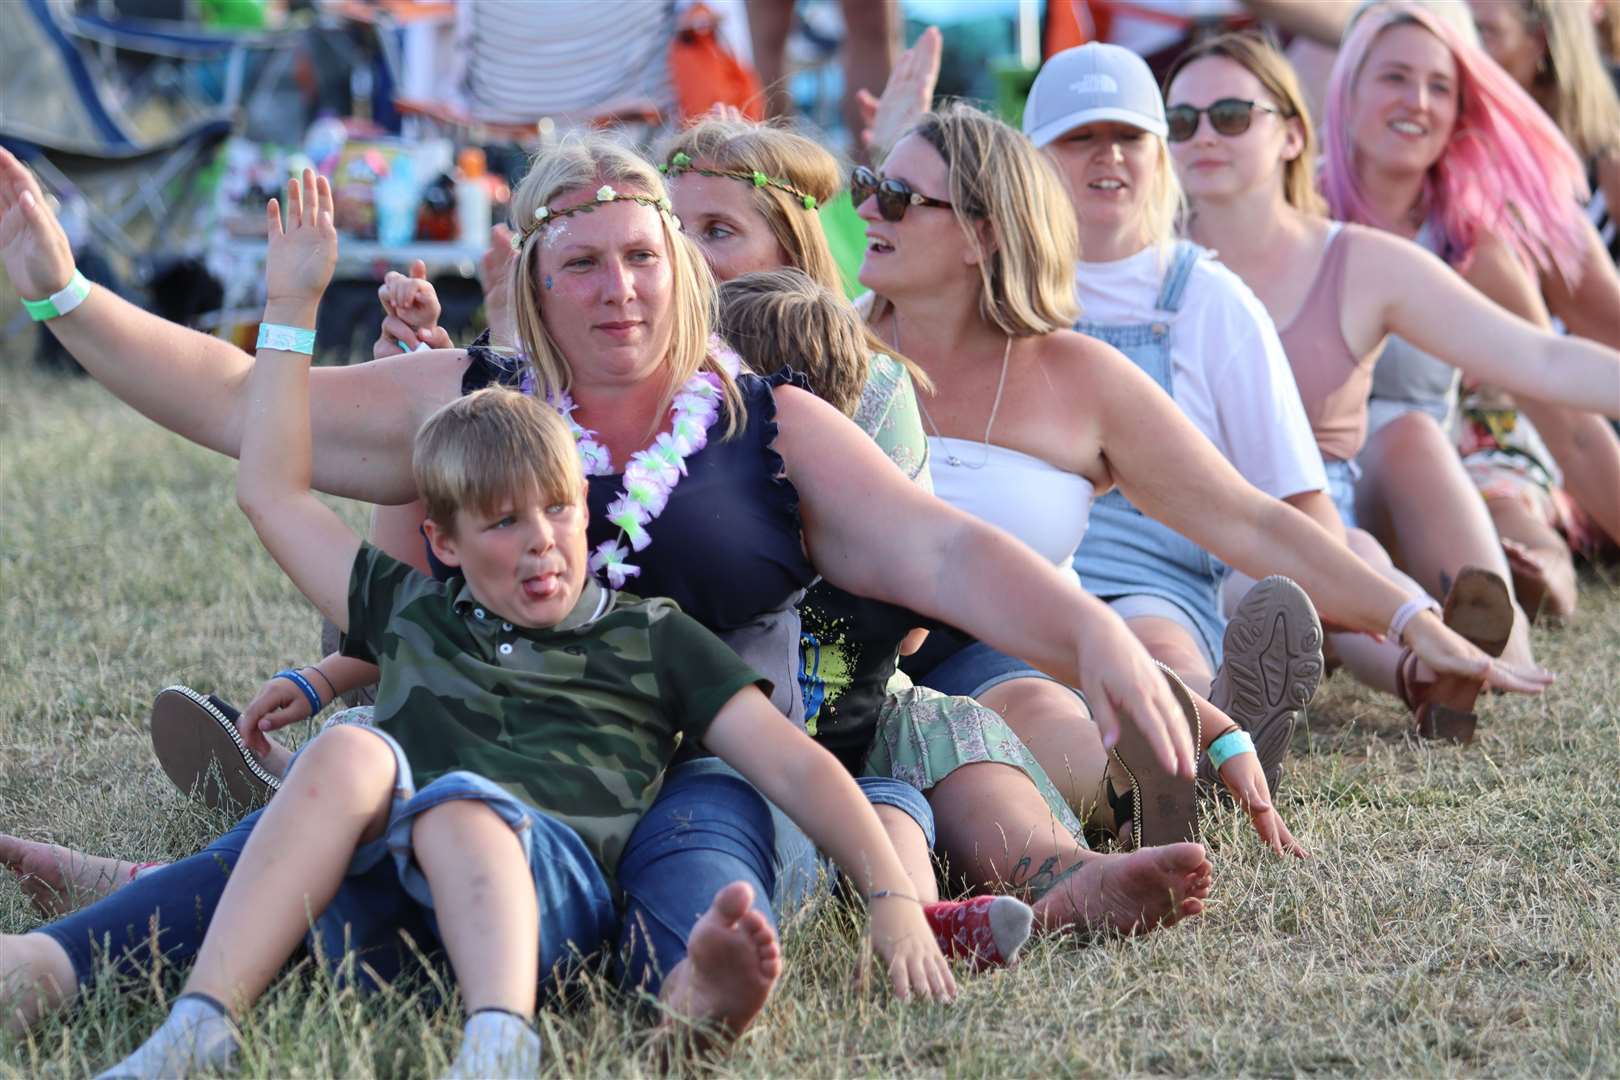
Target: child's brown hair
[[783, 318], [489, 448]]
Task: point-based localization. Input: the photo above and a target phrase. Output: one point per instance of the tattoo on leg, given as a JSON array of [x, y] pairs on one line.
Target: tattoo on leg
[[1040, 881]]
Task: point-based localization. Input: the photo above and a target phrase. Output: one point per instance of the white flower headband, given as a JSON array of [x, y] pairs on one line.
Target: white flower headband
[[545, 215]]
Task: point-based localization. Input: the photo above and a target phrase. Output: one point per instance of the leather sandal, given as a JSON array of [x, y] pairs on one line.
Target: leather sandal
[[1163, 809], [1480, 609], [195, 739]]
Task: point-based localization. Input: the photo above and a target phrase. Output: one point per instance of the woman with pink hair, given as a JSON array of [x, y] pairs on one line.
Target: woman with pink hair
[[1431, 140]]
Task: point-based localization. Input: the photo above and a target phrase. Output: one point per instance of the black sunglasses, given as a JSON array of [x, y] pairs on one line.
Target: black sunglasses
[[1228, 116], [894, 197]]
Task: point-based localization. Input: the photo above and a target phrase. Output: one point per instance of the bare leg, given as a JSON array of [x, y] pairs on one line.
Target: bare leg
[[484, 896], [996, 829], [1170, 644], [912, 847], [58, 880], [336, 799], [769, 22], [1418, 500], [36, 979], [1540, 543], [732, 962]]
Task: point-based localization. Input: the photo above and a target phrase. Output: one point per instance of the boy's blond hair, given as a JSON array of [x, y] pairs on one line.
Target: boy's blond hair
[[784, 318], [492, 447]]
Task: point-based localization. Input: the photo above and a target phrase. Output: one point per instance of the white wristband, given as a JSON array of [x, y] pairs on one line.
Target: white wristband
[[1407, 612]]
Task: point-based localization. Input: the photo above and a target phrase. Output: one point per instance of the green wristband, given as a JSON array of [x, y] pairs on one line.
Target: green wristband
[[59, 303]]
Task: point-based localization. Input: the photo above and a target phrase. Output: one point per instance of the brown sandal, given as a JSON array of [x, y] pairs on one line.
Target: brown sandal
[[1163, 809], [1480, 609]]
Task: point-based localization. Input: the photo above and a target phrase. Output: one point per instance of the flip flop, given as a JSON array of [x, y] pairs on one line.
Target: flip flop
[[1163, 808], [1270, 670], [195, 739], [1480, 609]]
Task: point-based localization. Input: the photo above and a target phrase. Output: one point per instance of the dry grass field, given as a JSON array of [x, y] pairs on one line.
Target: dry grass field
[[1460, 914]]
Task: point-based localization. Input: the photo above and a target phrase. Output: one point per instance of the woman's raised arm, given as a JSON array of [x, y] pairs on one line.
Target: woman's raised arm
[[872, 532], [363, 418]]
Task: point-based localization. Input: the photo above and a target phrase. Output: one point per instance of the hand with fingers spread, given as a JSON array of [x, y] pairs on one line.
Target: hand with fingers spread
[[302, 255], [278, 703], [1448, 653], [411, 313], [1246, 780], [36, 251], [907, 95], [1122, 685], [902, 938]]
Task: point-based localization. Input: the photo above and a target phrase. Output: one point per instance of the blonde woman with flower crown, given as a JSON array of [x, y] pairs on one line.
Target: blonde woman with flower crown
[[613, 309]]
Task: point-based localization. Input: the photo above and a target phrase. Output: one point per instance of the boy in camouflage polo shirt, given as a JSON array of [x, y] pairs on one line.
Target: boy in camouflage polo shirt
[[525, 715]]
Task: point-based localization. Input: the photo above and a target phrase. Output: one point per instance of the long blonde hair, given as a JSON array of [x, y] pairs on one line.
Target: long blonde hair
[[581, 163], [741, 146], [1571, 82], [1000, 181], [1277, 77]]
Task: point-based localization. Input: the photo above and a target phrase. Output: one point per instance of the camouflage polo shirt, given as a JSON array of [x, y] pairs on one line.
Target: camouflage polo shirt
[[578, 720]]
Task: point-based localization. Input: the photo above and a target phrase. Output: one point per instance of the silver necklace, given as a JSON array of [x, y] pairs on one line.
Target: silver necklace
[[1001, 384]]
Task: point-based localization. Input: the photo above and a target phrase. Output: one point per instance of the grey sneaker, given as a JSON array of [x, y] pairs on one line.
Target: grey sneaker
[[1270, 672]]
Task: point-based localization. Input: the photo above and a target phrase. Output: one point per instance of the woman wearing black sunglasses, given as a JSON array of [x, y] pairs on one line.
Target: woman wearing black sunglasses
[[1338, 290], [1030, 418]]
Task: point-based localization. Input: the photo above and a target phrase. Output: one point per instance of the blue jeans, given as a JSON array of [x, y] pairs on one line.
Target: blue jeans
[[707, 828]]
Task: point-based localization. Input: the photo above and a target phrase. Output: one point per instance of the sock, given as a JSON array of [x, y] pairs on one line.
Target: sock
[[497, 1043], [197, 1037], [987, 930]]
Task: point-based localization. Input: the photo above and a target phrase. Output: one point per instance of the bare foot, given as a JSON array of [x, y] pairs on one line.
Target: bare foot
[[1131, 893], [732, 962], [58, 880]]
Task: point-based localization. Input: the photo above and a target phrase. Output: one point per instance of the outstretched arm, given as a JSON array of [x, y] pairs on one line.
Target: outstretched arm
[[1173, 474], [362, 418], [1428, 304], [310, 542], [936, 560], [806, 781]]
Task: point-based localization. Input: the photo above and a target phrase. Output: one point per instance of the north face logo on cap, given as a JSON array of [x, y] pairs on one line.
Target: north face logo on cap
[[1097, 83]]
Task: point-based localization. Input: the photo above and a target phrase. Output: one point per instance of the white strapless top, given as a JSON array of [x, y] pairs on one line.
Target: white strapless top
[[1034, 500]]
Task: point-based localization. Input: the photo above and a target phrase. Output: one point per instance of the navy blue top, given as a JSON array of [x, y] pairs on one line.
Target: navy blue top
[[727, 547]]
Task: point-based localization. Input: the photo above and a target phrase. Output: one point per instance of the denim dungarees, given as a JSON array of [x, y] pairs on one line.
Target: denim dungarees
[[1126, 553]]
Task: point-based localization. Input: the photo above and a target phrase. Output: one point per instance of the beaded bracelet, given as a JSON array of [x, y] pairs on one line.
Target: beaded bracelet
[[1233, 744], [305, 685]]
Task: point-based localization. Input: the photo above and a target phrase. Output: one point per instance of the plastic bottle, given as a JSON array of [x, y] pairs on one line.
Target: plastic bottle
[[396, 196], [472, 197]]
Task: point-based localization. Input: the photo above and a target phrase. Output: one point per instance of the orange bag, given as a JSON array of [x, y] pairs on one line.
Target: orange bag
[[706, 73]]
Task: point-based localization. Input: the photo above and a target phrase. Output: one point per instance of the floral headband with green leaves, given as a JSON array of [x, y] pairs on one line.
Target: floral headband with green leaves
[[681, 163], [545, 215]]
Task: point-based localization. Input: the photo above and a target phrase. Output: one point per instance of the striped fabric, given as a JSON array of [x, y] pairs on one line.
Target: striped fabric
[[528, 60]]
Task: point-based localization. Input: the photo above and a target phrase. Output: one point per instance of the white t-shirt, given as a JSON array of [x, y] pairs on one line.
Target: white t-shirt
[[1229, 373]]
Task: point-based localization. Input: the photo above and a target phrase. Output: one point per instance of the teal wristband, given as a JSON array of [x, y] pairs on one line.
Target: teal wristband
[[1233, 744], [59, 303], [286, 338]]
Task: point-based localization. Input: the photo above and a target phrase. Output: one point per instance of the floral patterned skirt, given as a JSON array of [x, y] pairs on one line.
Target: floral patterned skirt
[[923, 736]]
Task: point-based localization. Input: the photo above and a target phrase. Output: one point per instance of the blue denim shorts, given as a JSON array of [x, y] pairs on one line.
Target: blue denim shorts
[[578, 913], [975, 668], [1341, 478]]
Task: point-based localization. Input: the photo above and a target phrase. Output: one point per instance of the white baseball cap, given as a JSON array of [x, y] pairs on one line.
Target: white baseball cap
[[1088, 83]]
